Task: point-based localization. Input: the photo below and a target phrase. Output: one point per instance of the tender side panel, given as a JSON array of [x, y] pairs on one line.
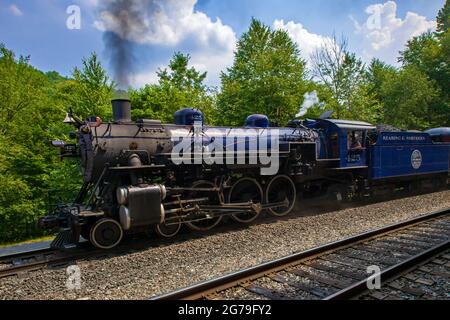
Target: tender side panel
[[409, 159]]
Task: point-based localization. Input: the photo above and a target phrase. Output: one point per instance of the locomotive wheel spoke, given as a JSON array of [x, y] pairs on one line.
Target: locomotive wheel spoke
[[279, 189], [204, 222], [243, 191]]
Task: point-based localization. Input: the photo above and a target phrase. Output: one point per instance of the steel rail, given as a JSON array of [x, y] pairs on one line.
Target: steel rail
[[389, 273], [39, 264], [25, 254], [203, 289], [40, 258]]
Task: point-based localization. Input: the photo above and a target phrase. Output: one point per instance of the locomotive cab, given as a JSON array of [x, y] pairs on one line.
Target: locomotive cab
[[343, 142]]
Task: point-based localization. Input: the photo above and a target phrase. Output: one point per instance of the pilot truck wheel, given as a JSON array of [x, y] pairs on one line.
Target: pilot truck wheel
[[106, 234]]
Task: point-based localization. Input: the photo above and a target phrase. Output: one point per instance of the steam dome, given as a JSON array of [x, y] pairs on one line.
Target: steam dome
[[187, 117], [257, 121]]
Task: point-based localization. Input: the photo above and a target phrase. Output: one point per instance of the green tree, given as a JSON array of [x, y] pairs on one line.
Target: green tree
[[344, 74], [179, 87], [377, 73], [55, 77], [363, 104], [31, 113], [90, 90], [431, 55], [443, 19], [426, 53], [20, 86], [406, 99], [25, 114], [181, 76], [267, 77]]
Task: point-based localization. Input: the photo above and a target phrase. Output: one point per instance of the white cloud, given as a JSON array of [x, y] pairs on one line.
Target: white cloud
[[174, 24], [384, 34], [14, 9], [307, 42]]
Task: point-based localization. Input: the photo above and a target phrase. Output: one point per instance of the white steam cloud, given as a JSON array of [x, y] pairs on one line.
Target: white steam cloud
[[311, 99]]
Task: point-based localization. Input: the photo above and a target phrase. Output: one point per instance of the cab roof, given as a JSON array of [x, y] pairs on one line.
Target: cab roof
[[350, 125]]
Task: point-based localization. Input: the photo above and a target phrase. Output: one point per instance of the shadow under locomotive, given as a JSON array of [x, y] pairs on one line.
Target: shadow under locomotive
[[132, 185]]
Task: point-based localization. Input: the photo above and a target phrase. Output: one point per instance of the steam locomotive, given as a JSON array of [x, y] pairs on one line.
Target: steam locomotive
[[144, 175]]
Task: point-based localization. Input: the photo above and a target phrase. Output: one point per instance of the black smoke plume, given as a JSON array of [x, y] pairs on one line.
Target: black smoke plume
[[128, 16], [121, 58]]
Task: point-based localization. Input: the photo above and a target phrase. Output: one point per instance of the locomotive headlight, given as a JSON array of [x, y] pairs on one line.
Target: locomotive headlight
[[122, 195]]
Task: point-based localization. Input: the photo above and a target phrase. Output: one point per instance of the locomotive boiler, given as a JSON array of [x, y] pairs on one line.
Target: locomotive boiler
[[143, 175]]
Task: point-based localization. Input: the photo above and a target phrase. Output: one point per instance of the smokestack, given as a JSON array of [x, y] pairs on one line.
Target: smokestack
[[121, 110]]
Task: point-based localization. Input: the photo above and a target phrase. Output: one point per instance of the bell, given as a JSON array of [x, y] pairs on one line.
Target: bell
[[68, 119]]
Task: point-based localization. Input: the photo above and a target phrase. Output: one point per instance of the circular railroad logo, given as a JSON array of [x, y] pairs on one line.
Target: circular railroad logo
[[416, 159]]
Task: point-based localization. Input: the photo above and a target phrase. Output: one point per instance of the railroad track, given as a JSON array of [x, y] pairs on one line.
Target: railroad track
[[337, 270], [30, 254], [16, 263]]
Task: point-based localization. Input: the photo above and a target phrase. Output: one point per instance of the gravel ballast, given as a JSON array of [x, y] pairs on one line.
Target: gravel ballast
[[166, 267]]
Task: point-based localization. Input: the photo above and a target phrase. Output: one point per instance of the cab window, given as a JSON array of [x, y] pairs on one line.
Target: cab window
[[355, 140]]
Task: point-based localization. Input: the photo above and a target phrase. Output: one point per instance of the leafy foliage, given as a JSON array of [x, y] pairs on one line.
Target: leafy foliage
[[178, 87], [268, 76], [345, 76], [90, 90], [430, 54], [443, 18], [406, 98], [33, 107], [23, 160]]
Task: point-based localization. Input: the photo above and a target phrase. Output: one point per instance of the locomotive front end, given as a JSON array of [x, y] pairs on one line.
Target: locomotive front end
[[110, 157]]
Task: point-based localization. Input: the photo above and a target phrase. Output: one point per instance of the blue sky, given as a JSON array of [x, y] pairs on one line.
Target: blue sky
[[208, 29]]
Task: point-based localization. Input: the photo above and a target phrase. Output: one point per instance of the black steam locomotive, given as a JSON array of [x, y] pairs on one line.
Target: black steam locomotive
[[143, 175]]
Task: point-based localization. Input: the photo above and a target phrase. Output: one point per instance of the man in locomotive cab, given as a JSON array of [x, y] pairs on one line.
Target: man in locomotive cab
[[354, 141]]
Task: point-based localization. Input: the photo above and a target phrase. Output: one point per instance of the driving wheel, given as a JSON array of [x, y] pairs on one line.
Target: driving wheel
[[204, 221], [243, 191], [279, 189]]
